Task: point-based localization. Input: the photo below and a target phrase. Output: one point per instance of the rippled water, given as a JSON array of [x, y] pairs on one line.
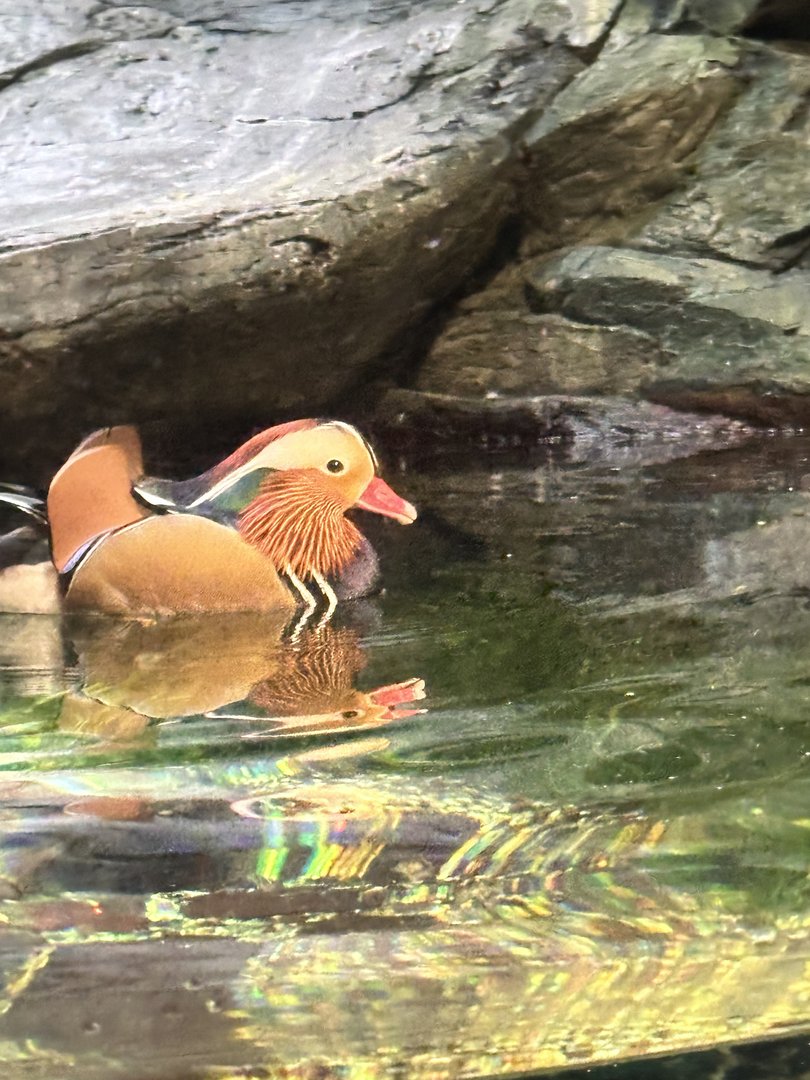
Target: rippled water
[[545, 803]]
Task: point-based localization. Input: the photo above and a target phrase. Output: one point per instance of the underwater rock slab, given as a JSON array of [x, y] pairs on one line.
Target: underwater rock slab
[[511, 915], [221, 210], [608, 429]]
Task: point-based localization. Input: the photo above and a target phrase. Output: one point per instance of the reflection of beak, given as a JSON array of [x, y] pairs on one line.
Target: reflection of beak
[[397, 694], [379, 498]]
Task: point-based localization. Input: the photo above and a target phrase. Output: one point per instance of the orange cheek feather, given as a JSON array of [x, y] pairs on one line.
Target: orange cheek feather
[[296, 522]]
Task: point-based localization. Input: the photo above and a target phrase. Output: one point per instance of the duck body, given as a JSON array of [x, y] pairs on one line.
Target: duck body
[[261, 531], [167, 565]]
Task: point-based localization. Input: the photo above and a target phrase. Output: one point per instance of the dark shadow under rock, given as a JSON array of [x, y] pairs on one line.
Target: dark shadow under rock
[[778, 19], [757, 18]]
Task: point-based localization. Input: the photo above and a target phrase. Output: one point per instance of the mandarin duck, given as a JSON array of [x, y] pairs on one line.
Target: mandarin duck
[[263, 530]]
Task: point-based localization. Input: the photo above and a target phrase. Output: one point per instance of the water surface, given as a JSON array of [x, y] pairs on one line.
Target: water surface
[[542, 804]]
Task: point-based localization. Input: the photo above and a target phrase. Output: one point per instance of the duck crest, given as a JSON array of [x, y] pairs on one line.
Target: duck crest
[[300, 525], [249, 450]]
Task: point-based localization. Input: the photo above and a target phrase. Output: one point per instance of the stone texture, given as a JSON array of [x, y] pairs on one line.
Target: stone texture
[[665, 250], [740, 341], [749, 198], [220, 213], [513, 351], [617, 138], [605, 152], [497, 345]]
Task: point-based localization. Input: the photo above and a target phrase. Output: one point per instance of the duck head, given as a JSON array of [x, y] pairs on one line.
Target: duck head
[[290, 488]]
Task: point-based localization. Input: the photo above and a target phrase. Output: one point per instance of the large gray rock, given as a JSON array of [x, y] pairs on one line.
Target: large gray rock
[[610, 144], [748, 200], [219, 210]]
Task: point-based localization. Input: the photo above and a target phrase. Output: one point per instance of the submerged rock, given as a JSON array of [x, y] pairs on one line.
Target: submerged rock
[[611, 430]]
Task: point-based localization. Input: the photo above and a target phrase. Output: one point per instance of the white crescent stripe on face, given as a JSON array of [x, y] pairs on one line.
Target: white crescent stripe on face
[[151, 499], [281, 454], [353, 431]]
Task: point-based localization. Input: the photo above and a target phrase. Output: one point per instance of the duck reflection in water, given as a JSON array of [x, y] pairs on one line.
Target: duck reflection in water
[[241, 670]]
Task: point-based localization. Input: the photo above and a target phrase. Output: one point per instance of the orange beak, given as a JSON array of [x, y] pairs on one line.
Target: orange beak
[[379, 498]]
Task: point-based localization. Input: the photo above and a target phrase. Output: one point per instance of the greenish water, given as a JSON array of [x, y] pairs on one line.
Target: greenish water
[[545, 803]]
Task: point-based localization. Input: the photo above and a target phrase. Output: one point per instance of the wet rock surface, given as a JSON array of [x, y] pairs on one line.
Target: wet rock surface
[[499, 344], [740, 342], [220, 213], [618, 138]]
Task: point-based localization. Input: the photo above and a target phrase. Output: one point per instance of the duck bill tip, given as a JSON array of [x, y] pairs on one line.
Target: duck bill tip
[[379, 498], [392, 697], [397, 693]]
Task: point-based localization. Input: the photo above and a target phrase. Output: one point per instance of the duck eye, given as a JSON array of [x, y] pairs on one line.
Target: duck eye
[[335, 466]]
